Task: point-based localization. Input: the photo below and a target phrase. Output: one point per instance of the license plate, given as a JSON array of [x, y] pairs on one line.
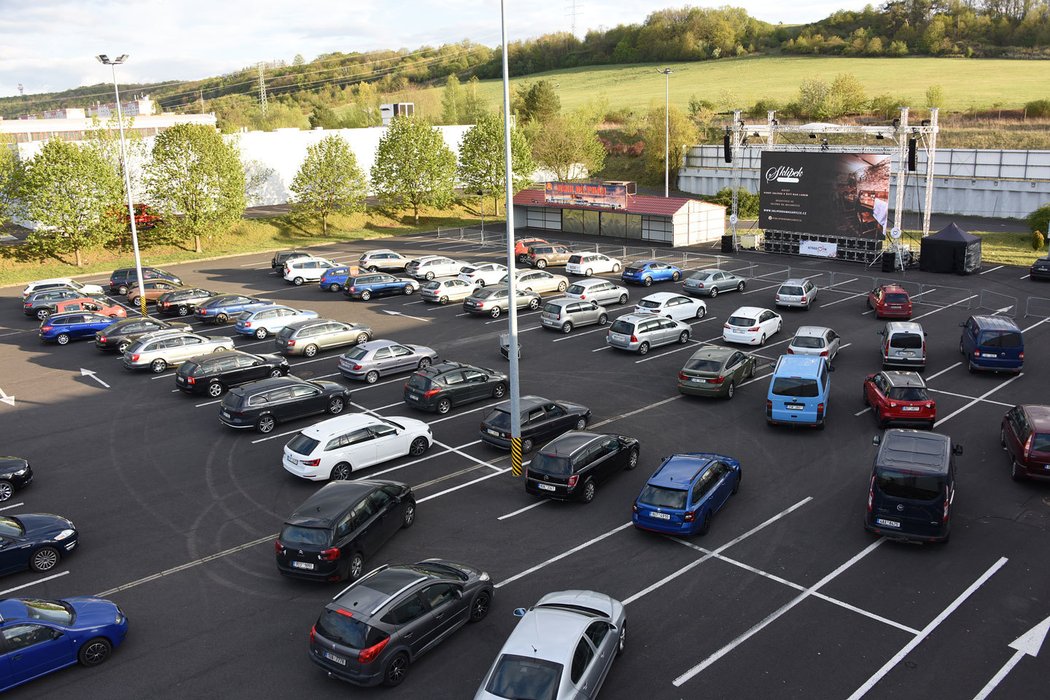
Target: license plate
[[661, 516], [413, 397], [697, 380], [887, 523], [225, 414], [180, 380], [909, 408], [905, 354], [291, 460], [493, 432], [302, 565], [794, 407], [333, 657], [618, 336], [545, 487], [988, 354]]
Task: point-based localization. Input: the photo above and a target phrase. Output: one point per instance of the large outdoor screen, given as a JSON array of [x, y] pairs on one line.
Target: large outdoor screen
[[826, 194]]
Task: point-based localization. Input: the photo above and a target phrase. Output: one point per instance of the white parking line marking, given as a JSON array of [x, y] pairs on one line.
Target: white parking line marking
[[206, 403], [980, 398], [832, 286], [993, 269], [861, 413], [1037, 323], [1026, 276], [946, 369], [275, 436], [462, 486], [559, 557], [760, 289], [33, 583], [839, 301], [13, 505], [479, 462], [889, 665], [942, 308], [519, 511], [685, 677], [631, 413], [964, 396], [463, 413]]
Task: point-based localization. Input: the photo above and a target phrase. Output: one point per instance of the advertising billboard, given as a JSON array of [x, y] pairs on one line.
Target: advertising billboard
[[588, 194], [825, 194]]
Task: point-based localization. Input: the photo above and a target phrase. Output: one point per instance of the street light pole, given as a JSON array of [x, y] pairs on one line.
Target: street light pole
[[667, 129], [113, 63]]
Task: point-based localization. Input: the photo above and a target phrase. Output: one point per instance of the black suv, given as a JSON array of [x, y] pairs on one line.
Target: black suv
[[447, 384], [125, 278], [372, 631], [262, 404], [541, 420], [329, 536], [572, 466], [213, 374], [124, 332], [182, 302], [15, 473], [281, 257]]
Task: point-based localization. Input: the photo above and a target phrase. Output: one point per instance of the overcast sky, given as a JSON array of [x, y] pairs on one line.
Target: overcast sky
[[49, 45]]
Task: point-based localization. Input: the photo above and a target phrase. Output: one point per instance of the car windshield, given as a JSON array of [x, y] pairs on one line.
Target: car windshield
[[301, 444], [432, 285], [1041, 442], [499, 419], [662, 497], [700, 364], [1001, 339], [576, 289], [554, 309], [896, 298], [49, 611], [523, 678], [649, 304], [9, 527], [907, 341], [908, 393], [916, 487], [791, 291], [795, 386], [741, 321], [484, 293], [623, 327], [418, 381], [700, 275], [348, 631], [807, 341], [357, 353], [293, 535], [550, 464]]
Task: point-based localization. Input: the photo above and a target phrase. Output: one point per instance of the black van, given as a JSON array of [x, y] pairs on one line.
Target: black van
[[912, 486]]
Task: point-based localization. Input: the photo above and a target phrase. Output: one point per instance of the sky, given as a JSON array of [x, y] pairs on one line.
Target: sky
[[50, 45]]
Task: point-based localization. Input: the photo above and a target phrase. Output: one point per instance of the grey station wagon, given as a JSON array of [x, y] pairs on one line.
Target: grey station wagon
[[308, 337], [640, 332]]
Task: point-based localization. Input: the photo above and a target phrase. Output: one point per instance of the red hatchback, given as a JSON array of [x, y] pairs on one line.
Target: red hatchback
[[1025, 435], [522, 245], [890, 301], [900, 398]]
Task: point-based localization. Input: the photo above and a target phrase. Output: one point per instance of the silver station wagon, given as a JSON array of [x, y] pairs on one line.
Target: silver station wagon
[[565, 314], [376, 358], [168, 348], [308, 337], [599, 290], [640, 332]]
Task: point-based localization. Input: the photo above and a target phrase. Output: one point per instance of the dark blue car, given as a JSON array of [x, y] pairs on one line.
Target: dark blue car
[[75, 325], [645, 272], [992, 343], [334, 278], [685, 492], [36, 541], [222, 308], [377, 284], [38, 637]]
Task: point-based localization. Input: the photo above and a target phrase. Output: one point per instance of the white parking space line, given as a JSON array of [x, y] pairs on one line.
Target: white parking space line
[[685, 677], [206, 403], [892, 663], [832, 286], [607, 347], [964, 396], [275, 436], [992, 269], [462, 486], [559, 557], [689, 345], [1026, 276], [13, 505], [28, 330], [519, 511], [926, 291], [1037, 323], [464, 455], [942, 308], [861, 413], [631, 413], [33, 583], [979, 399], [839, 301], [502, 319], [463, 413], [946, 369]]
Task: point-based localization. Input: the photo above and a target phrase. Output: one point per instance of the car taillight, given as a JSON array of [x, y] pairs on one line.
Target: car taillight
[[803, 299], [976, 352], [769, 408], [480, 304], [820, 410], [287, 270], [871, 493], [726, 326], [634, 339], [716, 380], [46, 329], [947, 505], [313, 634], [28, 306], [573, 479], [792, 352], [689, 517], [191, 380], [430, 392], [778, 297], [247, 324], [924, 347], [700, 285], [310, 462], [290, 342], [369, 655], [823, 353], [330, 554], [135, 357], [683, 376], [102, 338], [634, 507], [278, 547], [356, 367], [1020, 356], [353, 290], [929, 406], [753, 329], [1028, 446]]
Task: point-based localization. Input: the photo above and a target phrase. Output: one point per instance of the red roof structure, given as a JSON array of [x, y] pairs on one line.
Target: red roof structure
[[636, 203]]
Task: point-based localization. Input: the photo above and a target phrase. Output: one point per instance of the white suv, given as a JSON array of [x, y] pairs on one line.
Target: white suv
[[309, 269]]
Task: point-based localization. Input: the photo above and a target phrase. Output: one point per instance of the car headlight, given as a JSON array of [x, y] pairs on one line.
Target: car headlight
[[120, 618], [484, 576], [65, 534], [22, 471]]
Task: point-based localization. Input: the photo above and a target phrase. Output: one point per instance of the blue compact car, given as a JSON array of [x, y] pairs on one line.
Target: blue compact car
[[75, 325], [222, 308], [43, 636], [992, 343], [799, 391], [645, 272], [334, 278], [377, 284], [685, 492]]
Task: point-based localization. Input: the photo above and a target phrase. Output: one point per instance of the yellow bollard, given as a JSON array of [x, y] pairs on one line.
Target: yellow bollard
[[515, 456]]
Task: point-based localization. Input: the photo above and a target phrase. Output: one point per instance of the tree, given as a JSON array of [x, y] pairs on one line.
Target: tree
[[329, 180], [566, 143], [934, 96], [10, 178], [74, 196], [537, 102], [196, 180], [413, 166], [682, 131], [481, 160], [451, 101], [473, 106]]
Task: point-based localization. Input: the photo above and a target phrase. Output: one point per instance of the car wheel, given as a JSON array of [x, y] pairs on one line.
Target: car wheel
[[632, 458], [589, 489], [566, 327], [158, 366], [424, 362], [822, 423], [62, 339], [526, 445], [366, 295], [183, 310], [499, 391], [581, 423], [647, 282], [616, 268], [408, 289], [362, 338], [355, 567], [122, 346], [1016, 472], [864, 397], [42, 314], [444, 406], [496, 311], [621, 643], [683, 338], [372, 268], [418, 446], [122, 290], [261, 333], [586, 273], [443, 300], [94, 651], [701, 312], [643, 348], [762, 340], [603, 319], [334, 287], [522, 258], [6, 490], [336, 405], [479, 607], [534, 304], [675, 276], [705, 525], [310, 350], [541, 263], [266, 424], [341, 472], [740, 287], [714, 292], [623, 299], [562, 286], [276, 372], [429, 276], [409, 515], [298, 281], [215, 389], [222, 318], [962, 350], [372, 377], [44, 559], [731, 390], [396, 670]]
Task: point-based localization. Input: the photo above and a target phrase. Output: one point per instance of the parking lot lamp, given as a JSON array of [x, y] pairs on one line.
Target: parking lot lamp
[[667, 129]]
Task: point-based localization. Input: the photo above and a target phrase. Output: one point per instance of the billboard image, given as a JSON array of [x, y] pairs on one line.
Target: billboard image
[[588, 194], [826, 194]]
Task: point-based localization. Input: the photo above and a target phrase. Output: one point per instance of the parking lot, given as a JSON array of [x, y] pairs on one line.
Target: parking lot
[[786, 596]]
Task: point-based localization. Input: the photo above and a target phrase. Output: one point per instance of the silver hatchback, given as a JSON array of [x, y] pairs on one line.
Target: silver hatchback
[[376, 358], [797, 293], [168, 348], [308, 337], [445, 290], [599, 290], [565, 314], [640, 332]]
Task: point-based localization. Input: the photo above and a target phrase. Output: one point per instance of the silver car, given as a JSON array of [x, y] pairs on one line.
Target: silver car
[[167, 348], [446, 290], [903, 345], [797, 293], [307, 337], [565, 314], [815, 340], [599, 290], [266, 321], [376, 358], [494, 300], [561, 649], [539, 281], [383, 259], [430, 266], [638, 333], [711, 282]]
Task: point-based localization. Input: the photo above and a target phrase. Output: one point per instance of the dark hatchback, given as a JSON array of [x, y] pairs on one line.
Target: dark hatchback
[[331, 534], [183, 302], [263, 404], [35, 541], [281, 257], [125, 278], [42, 304], [570, 467], [15, 474], [541, 421], [215, 373], [1025, 435], [377, 284], [441, 386], [120, 335], [1040, 269]]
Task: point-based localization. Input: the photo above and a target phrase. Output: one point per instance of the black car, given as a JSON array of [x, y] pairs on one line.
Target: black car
[[182, 302], [120, 335], [371, 632], [571, 467], [42, 304], [125, 278], [331, 534], [215, 373], [444, 385], [15, 473], [34, 541], [541, 420], [281, 257], [263, 404], [1040, 269]]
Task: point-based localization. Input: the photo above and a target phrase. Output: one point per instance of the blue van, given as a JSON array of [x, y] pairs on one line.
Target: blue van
[[799, 391], [992, 343]]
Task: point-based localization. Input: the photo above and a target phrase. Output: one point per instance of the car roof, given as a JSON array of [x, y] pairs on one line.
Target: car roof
[[898, 378], [303, 323], [914, 450], [798, 365], [525, 402], [447, 366], [591, 281], [811, 331], [220, 354], [375, 251], [424, 258], [67, 314], [1039, 415], [568, 444], [679, 470], [895, 288], [638, 318], [995, 323], [748, 311], [714, 352], [710, 271], [374, 591], [794, 282], [662, 296], [547, 633], [564, 301], [379, 343], [643, 263], [350, 421], [265, 385], [903, 327], [330, 501]]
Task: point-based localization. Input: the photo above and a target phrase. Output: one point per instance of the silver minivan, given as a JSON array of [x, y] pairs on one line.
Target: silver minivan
[[599, 290], [903, 345], [797, 293], [565, 314], [640, 332]]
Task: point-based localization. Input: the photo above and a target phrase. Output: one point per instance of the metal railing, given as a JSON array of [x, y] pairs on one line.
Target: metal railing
[[1037, 306]]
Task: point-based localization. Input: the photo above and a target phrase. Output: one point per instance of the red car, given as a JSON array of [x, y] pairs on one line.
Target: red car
[[890, 301], [522, 245], [99, 305], [900, 398], [1025, 435]]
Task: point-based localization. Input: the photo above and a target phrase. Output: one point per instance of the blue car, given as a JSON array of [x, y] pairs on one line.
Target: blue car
[[992, 343], [334, 278], [377, 284], [799, 391], [645, 272], [43, 636], [36, 541], [685, 492], [222, 308], [75, 325]]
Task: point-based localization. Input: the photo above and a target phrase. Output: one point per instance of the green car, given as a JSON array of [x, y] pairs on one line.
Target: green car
[[716, 371]]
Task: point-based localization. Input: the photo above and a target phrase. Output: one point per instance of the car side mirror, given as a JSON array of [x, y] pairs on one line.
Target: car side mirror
[[458, 593], [519, 612], [957, 449], [876, 440], [880, 332]]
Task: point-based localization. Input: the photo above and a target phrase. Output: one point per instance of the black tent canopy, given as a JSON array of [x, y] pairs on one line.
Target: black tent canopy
[[950, 250]]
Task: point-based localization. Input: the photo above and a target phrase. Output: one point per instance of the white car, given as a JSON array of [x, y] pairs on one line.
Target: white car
[[539, 281], [480, 274], [671, 305], [751, 325], [430, 266], [588, 264], [308, 269], [445, 290], [337, 447], [54, 283]]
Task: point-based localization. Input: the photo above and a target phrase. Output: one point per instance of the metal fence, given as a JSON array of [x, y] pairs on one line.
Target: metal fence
[[1037, 306]]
